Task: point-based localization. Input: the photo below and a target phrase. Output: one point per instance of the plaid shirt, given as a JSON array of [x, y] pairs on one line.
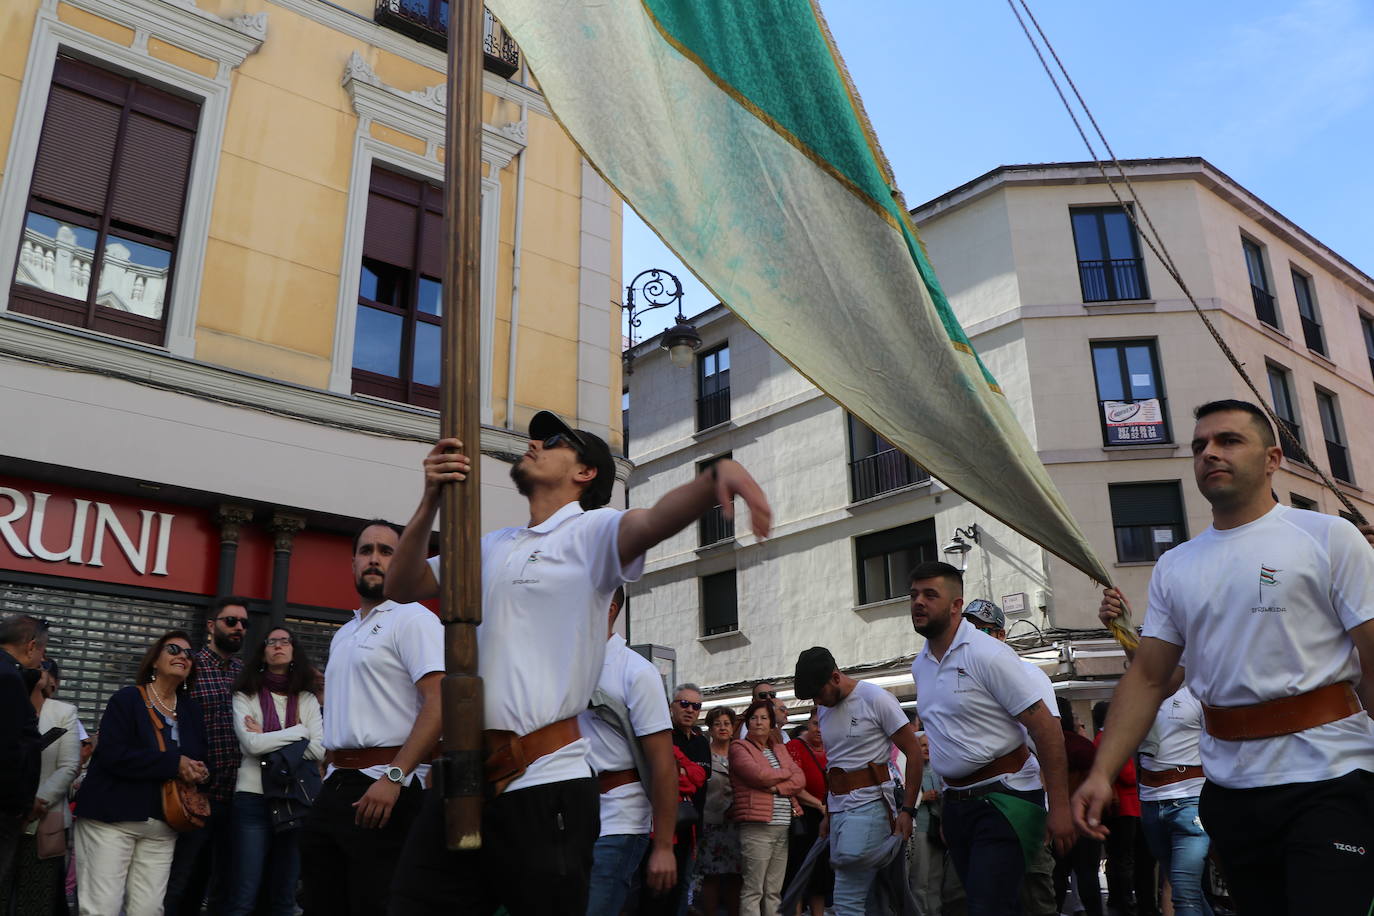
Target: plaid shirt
[[213, 690]]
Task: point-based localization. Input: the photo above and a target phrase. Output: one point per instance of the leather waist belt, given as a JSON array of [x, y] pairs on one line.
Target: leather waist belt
[[1007, 763], [1154, 779], [842, 782], [1283, 716], [361, 758], [509, 754], [614, 779]]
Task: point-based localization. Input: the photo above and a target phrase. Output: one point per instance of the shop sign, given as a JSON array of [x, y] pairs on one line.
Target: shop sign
[[1134, 422]]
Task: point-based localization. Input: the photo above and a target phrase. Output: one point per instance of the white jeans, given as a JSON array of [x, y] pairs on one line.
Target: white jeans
[[123, 865]]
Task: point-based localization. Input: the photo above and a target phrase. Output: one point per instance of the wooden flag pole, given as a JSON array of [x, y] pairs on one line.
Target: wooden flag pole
[[460, 515]]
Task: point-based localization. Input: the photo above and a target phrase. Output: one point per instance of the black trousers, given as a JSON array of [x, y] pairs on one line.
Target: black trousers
[[346, 869], [982, 843], [1082, 860], [535, 860], [1296, 849], [203, 862], [1132, 888]]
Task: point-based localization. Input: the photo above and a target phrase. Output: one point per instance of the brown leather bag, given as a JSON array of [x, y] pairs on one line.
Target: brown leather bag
[[184, 806], [50, 837]]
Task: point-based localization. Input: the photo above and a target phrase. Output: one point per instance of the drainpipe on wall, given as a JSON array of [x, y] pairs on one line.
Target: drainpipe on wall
[[515, 271]]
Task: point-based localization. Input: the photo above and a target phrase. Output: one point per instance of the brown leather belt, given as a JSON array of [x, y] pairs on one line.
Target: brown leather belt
[[1007, 763], [509, 754], [614, 779], [842, 782], [1282, 716], [361, 758], [1154, 779]]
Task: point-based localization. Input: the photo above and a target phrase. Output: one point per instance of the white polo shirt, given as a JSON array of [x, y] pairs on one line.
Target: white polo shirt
[[1262, 611], [858, 731], [968, 702], [374, 664], [1042, 680], [632, 679], [1173, 742], [541, 643]]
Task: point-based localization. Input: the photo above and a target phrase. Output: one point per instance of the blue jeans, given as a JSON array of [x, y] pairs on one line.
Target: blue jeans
[[264, 861], [852, 832], [615, 862], [1177, 840]]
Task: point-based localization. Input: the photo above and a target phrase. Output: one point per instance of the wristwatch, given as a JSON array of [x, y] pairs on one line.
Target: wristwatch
[[909, 809], [395, 774]]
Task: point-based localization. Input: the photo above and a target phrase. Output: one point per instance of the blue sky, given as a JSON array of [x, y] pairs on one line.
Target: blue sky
[[1279, 94]]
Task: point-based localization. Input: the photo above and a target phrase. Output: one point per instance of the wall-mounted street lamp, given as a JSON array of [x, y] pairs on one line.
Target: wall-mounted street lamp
[[958, 547], [660, 289]]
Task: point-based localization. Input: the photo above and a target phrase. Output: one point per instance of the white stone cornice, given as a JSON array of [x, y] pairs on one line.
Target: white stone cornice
[[225, 41]]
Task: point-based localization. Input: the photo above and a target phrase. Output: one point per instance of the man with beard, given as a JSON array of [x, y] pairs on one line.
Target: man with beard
[[541, 646], [205, 856], [381, 724], [1272, 611], [979, 704]]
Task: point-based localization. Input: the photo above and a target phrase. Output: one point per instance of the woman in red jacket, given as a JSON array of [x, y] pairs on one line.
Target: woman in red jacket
[[765, 781]]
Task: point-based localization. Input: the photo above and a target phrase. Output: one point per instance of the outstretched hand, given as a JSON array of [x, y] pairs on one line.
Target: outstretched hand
[[733, 480]]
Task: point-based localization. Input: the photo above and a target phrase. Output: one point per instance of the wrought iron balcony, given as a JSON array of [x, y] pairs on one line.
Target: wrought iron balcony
[[1289, 451], [1110, 280], [1312, 334], [1338, 460], [715, 527], [427, 21], [882, 472], [713, 409], [1264, 305]]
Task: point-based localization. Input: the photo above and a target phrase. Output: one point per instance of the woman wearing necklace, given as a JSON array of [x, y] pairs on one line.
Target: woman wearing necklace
[[123, 844], [274, 707]]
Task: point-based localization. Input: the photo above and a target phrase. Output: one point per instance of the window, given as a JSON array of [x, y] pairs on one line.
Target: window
[[876, 465], [427, 21], [1130, 393], [1260, 291], [1280, 391], [1148, 518], [1307, 311], [1109, 262], [400, 291], [625, 419], [714, 527], [713, 387], [1336, 456], [719, 604], [105, 206], [885, 559], [1302, 502], [1367, 326]]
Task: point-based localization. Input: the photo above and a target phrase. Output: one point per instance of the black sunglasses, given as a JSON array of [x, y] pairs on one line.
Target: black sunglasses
[[172, 648], [688, 704], [558, 439], [233, 621], [767, 695]]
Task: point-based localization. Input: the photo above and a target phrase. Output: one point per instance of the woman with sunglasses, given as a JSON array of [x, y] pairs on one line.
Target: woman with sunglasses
[[124, 847], [274, 706]]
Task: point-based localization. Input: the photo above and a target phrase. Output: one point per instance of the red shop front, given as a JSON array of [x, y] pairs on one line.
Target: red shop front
[[112, 572]]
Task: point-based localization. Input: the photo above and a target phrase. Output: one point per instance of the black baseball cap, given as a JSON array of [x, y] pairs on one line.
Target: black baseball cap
[[814, 667], [590, 447]]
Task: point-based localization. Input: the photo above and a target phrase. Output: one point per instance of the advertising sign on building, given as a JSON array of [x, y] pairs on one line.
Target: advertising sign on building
[[1134, 422]]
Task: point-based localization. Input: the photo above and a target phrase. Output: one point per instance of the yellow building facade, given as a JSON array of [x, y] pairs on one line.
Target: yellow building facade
[[221, 233]]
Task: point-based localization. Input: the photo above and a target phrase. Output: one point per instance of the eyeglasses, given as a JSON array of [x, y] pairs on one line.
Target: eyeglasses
[[172, 648], [279, 641], [767, 695], [558, 439], [688, 704], [232, 622]]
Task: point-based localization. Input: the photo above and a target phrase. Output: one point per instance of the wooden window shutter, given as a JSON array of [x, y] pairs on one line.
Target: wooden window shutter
[[432, 250], [154, 166], [390, 233], [76, 150]]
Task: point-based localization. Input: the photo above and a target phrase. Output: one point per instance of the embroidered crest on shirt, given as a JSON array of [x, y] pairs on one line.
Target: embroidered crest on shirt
[[1268, 579], [522, 579]]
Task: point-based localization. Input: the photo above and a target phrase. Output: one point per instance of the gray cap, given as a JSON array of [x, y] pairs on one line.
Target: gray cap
[[984, 611]]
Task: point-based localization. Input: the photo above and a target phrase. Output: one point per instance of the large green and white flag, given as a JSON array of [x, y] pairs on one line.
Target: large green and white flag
[[731, 127]]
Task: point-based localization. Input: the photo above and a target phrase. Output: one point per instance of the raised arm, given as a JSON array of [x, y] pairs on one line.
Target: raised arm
[[1135, 701], [1113, 605], [409, 578], [718, 485]]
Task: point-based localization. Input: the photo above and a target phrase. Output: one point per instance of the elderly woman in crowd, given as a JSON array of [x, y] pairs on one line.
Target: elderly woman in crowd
[[273, 708], [123, 844], [718, 855], [39, 864], [766, 782]]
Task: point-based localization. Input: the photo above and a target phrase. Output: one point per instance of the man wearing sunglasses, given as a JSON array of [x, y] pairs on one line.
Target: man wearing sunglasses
[[541, 645], [205, 857]]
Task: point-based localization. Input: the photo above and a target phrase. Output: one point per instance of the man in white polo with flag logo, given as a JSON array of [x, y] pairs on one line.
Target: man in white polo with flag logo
[[1271, 612]]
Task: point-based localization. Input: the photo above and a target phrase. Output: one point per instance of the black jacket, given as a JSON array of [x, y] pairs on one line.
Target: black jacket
[[20, 747]]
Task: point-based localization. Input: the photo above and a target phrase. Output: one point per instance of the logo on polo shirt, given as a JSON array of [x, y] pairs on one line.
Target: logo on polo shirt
[[522, 579], [1268, 578], [1345, 847]]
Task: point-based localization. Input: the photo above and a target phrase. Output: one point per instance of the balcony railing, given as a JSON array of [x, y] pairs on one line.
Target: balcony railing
[[713, 409], [1108, 281], [882, 472], [1312, 334], [715, 527], [1264, 305], [1288, 450], [427, 21], [1339, 461]]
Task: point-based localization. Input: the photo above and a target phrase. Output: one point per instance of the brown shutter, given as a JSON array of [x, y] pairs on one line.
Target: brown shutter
[[154, 165], [76, 151], [390, 231], [432, 246]]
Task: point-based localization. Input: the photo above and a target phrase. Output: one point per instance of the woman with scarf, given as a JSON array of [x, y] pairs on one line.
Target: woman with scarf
[[274, 706]]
